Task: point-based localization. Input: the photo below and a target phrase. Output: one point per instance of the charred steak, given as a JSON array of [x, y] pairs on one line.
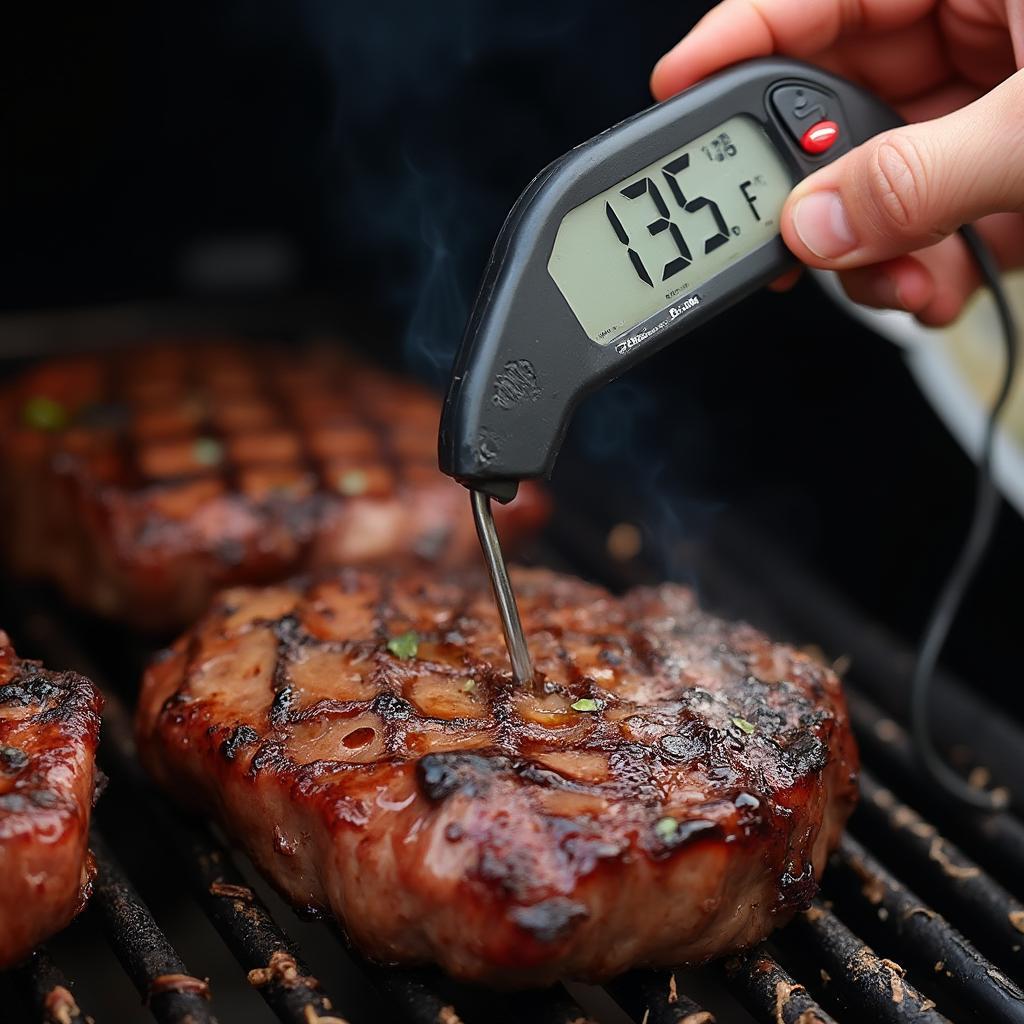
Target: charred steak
[[669, 789], [141, 482], [49, 728]]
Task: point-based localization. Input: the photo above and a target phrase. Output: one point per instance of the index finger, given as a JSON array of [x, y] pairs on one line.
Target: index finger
[[737, 30]]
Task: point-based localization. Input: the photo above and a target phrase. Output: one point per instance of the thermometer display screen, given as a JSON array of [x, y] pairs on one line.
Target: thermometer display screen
[[654, 237]]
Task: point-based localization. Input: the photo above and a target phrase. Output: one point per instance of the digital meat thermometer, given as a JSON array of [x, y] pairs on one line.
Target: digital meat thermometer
[[618, 248]]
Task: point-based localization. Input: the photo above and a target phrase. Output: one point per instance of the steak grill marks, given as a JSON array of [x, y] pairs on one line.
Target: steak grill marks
[[800, 753]]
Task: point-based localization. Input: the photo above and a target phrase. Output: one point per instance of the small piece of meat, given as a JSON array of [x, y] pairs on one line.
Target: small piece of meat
[[49, 728], [668, 790], [141, 482]]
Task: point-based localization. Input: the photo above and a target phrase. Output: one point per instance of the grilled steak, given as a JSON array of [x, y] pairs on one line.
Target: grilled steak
[[668, 790], [142, 482], [49, 727]]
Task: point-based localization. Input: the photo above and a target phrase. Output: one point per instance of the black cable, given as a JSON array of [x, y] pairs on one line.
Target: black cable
[[983, 522]]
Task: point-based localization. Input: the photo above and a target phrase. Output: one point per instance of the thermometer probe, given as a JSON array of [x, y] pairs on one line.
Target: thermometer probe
[[625, 244]]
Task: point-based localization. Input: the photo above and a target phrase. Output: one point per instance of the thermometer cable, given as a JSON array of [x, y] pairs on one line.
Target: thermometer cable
[[979, 538]]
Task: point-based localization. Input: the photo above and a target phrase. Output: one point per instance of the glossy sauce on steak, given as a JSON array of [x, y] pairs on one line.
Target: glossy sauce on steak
[[49, 728], [143, 481], [669, 789]]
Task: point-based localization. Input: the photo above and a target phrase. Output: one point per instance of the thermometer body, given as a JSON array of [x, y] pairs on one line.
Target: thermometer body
[[627, 243]]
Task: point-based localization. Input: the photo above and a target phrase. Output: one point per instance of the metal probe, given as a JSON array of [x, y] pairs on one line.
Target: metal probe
[[515, 641]]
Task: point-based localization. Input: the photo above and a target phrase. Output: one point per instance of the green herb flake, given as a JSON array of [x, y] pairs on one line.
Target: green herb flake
[[666, 828], [587, 704], [405, 645], [44, 413], [743, 725], [207, 451], [469, 685], [353, 482]]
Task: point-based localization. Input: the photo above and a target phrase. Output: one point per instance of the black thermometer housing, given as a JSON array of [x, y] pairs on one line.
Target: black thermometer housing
[[527, 359]]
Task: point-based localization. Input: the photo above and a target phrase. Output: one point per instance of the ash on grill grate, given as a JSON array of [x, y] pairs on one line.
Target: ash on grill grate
[[654, 996], [996, 839], [49, 991], [930, 944], [871, 985], [956, 883], [768, 990]]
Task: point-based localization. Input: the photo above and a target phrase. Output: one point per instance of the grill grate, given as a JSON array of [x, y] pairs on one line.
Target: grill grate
[[928, 939], [869, 983], [817, 971], [48, 990], [770, 993], [147, 955]]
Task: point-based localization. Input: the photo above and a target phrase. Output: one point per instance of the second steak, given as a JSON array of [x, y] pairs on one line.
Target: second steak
[[141, 482]]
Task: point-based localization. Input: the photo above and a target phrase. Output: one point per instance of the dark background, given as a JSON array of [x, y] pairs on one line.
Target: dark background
[[361, 157]]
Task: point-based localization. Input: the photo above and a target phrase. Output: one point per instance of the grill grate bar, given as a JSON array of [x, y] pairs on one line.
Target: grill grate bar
[[769, 992], [555, 1006], [160, 975], [49, 991], [275, 967], [241, 918], [926, 940], [996, 838], [960, 887], [424, 996], [415, 993], [653, 996], [869, 983]]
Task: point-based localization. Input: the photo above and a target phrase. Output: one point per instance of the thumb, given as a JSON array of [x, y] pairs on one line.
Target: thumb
[[908, 188]]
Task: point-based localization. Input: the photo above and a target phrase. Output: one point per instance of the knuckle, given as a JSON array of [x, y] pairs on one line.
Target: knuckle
[[897, 183]]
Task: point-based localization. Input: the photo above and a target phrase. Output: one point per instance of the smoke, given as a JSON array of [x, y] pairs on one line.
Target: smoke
[[639, 443], [440, 306], [441, 114]]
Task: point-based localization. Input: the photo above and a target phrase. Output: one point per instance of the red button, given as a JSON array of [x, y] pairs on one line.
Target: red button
[[820, 137]]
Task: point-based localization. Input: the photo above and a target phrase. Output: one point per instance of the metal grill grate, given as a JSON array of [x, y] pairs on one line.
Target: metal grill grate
[[816, 971]]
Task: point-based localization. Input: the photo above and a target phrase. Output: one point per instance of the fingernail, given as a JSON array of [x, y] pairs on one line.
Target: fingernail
[[820, 221]]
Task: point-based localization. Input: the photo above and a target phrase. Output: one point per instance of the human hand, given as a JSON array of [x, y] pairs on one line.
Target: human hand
[[884, 214]]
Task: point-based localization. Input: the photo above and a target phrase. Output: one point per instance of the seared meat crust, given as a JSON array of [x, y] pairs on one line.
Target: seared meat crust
[[141, 482], [668, 791], [49, 728]]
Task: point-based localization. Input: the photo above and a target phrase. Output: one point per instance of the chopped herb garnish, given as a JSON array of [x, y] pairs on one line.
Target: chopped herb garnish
[[44, 413], [469, 685], [405, 645], [666, 828], [207, 451], [587, 704], [353, 482], [743, 725]]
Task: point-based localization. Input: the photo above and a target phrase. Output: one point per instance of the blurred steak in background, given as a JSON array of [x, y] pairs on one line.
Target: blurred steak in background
[[140, 482]]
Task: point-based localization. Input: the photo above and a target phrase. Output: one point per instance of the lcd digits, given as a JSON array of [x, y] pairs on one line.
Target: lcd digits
[[648, 187], [641, 246]]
